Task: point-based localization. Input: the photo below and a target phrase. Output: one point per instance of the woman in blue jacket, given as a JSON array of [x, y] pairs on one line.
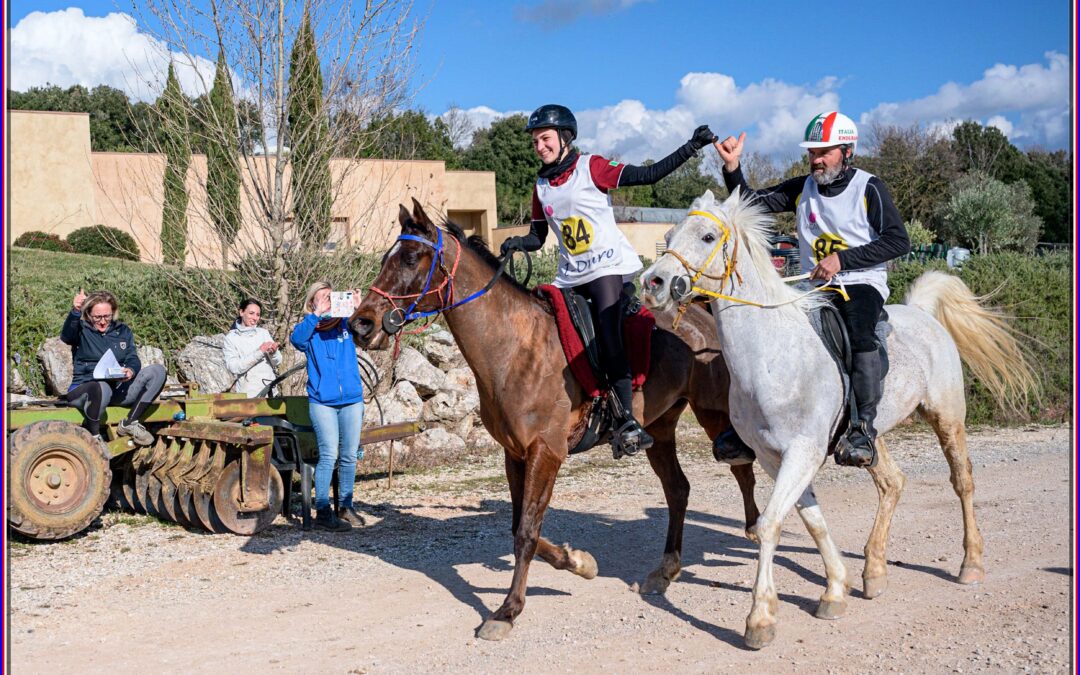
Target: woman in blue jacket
[[335, 403]]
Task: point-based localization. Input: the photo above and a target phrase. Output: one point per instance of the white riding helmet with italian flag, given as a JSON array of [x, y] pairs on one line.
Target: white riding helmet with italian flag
[[830, 129]]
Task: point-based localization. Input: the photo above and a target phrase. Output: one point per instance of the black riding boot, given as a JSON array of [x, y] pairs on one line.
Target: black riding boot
[[857, 449], [729, 448], [629, 436]]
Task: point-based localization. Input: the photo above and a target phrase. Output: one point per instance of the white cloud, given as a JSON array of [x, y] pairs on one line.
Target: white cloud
[[1029, 103], [67, 47], [774, 112]]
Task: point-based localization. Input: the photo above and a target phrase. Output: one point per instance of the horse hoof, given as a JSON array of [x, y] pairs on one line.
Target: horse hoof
[[751, 534], [831, 609], [971, 575], [584, 564], [874, 586], [655, 584], [756, 638], [494, 630]]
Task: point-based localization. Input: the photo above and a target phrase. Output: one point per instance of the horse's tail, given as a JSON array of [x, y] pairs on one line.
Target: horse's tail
[[986, 342]]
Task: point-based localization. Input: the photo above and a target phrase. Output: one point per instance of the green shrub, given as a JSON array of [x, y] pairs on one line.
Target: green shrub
[[919, 234], [1037, 293], [43, 241], [104, 241]]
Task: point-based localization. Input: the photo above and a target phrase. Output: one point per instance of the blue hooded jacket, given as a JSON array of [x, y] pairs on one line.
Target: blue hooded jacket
[[332, 370]]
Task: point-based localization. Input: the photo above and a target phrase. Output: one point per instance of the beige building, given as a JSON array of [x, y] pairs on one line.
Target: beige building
[[58, 185]]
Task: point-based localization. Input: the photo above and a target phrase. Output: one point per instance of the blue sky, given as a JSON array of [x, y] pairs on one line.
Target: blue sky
[[642, 73]]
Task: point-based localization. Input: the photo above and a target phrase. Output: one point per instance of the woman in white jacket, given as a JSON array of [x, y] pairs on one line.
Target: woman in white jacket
[[250, 353]]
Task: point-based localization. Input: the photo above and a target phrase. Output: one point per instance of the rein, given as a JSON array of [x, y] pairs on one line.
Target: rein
[[685, 287]]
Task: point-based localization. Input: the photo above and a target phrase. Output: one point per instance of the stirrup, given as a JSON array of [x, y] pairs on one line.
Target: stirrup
[[857, 448], [629, 438]]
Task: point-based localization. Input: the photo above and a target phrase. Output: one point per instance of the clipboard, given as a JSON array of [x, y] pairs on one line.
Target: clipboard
[[108, 368]]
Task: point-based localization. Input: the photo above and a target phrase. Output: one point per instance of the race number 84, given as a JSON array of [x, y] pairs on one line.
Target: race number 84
[[577, 234], [826, 245]]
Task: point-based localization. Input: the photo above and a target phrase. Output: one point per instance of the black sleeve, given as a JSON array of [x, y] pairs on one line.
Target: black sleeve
[[69, 334], [892, 241], [776, 199], [534, 240], [647, 175]]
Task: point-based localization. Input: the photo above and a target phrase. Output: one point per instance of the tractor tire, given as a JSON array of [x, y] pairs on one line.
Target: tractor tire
[[59, 479]]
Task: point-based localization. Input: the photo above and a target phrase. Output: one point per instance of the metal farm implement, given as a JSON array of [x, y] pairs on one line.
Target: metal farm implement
[[219, 462]]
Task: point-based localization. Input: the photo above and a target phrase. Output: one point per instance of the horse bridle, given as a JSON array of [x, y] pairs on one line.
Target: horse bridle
[[685, 291], [394, 320]]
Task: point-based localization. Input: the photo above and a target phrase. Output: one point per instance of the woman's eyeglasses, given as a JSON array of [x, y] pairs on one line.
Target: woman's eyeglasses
[[100, 317]]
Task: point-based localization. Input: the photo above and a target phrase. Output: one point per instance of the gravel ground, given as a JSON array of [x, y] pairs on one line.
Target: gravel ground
[[406, 593]]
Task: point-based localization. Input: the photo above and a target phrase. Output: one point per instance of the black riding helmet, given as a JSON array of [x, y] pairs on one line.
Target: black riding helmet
[[552, 116]]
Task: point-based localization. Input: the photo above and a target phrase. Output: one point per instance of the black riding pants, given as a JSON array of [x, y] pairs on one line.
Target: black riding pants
[[607, 313], [860, 315]]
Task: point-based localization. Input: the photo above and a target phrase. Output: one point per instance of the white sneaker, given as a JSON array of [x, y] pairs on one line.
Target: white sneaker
[[137, 431]]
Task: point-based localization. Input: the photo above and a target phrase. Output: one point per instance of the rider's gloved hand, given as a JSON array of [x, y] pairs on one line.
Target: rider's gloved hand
[[512, 244], [703, 136]]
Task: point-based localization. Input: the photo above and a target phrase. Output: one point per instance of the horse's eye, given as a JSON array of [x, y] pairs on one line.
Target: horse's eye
[[709, 238]]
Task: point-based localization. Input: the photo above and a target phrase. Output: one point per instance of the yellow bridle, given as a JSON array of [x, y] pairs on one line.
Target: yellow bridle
[[729, 269]]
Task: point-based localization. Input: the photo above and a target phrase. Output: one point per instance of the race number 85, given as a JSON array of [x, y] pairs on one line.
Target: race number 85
[[577, 234], [826, 245]]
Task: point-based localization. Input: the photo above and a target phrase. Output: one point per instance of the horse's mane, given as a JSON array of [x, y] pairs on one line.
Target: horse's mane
[[477, 245], [754, 226]]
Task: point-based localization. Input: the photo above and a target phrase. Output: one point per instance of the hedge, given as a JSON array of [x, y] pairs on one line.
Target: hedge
[[1037, 293], [104, 241], [42, 240]]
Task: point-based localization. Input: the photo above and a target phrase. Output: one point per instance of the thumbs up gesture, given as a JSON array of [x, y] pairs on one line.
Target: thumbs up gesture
[[78, 300]]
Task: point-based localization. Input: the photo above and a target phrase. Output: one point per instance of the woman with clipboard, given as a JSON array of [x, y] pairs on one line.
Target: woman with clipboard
[[106, 367]]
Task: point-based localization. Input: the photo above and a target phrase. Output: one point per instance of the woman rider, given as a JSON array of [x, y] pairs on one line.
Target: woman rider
[[595, 258]]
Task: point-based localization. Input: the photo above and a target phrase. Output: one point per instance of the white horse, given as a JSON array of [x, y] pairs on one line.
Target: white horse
[[786, 392]]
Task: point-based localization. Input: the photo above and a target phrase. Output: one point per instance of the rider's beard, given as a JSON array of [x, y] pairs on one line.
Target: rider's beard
[[827, 176]]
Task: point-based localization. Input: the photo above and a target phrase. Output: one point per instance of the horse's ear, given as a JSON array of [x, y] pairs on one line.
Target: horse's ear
[[420, 217], [403, 215], [708, 196]]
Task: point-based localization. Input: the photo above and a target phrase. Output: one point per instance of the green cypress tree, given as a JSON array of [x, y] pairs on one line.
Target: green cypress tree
[[308, 136], [222, 163], [172, 111]]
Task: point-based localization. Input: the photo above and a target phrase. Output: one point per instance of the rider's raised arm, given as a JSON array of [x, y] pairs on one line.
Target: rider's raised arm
[[776, 199], [892, 241], [609, 175]]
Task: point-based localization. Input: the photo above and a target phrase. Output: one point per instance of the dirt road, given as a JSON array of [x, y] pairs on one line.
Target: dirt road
[[406, 593]]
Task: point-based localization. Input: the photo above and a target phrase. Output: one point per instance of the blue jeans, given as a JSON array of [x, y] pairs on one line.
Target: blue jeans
[[337, 430]]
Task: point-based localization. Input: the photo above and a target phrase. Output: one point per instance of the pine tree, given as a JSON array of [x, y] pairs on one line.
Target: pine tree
[[308, 136], [172, 111], [222, 165]]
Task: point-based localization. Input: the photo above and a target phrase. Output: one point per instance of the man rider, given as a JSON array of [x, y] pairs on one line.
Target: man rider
[[848, 229]]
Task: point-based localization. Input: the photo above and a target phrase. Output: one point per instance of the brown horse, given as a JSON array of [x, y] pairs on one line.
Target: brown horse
[[529, 400]]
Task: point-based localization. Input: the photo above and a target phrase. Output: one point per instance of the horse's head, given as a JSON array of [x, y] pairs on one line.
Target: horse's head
[[411, 274], [699, 255]]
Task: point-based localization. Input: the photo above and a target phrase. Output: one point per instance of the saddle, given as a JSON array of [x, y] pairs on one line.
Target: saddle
[[577, 335], [830, 328]]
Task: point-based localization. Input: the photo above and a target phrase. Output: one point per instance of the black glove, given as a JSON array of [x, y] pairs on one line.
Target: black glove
[[512, 244], [703, 136]]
